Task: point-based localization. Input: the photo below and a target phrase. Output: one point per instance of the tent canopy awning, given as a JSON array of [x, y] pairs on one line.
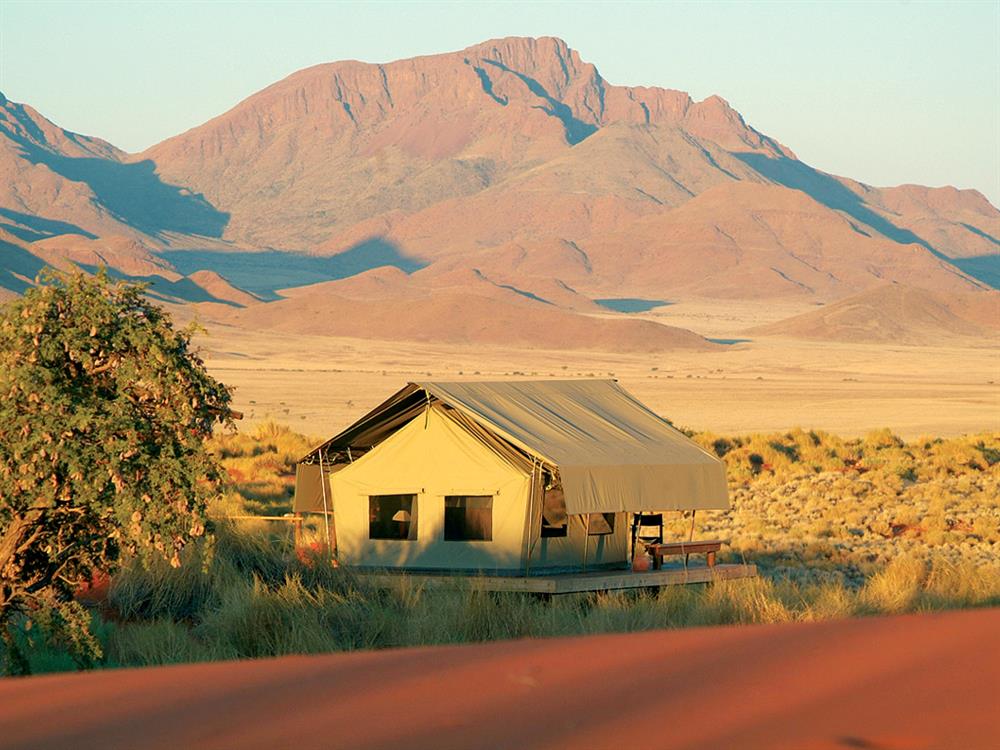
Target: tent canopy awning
[[611, 452]]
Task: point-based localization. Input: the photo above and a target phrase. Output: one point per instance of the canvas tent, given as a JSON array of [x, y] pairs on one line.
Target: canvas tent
[[506, 477]]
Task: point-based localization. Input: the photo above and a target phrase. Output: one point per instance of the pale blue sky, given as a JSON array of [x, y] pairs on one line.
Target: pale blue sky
[[886, 92]]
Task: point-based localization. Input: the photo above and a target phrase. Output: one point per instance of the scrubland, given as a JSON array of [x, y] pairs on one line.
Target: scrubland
[[838, 527]]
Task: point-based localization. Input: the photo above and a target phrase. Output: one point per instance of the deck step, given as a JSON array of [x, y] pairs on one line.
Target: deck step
[[572, 583]]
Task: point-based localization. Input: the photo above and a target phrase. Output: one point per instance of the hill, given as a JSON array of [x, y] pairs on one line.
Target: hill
[[469, 309], [898, 314]]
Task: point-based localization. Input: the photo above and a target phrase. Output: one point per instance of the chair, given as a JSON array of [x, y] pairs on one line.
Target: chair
[[643, 525]]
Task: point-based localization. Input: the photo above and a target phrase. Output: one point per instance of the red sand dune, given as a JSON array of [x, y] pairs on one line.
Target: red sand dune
[[913, 682]]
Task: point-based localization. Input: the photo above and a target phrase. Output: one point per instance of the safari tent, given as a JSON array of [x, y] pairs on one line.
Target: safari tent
[[502, 478]]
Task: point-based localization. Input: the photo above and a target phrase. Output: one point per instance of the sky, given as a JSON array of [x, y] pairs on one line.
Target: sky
[[885, 92]]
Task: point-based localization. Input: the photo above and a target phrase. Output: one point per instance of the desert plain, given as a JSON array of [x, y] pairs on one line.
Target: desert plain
[[760, 383]]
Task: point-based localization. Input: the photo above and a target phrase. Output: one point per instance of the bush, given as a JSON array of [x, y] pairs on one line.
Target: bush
[[104, 412]]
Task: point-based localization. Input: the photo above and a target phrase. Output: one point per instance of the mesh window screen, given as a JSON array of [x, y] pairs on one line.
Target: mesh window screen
[[468, 518], [392, 517]]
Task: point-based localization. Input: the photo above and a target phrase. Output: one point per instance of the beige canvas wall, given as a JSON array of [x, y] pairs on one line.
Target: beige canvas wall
[[577, 546], [432, 457], [310, 494]]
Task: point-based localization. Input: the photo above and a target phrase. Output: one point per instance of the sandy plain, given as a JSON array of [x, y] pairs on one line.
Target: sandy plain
[[319, 384]]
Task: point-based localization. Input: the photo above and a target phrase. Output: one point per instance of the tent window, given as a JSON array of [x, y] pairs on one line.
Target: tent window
[[468, 518], [554, 522], [601, 524], [392, 517]]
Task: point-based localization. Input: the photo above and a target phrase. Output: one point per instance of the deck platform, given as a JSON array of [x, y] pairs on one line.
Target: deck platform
[[573, 583]]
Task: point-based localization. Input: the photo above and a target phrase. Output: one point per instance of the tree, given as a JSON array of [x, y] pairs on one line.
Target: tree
[[104, 412]]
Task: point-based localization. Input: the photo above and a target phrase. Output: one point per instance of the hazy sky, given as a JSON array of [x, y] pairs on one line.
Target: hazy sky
[[886, 92]]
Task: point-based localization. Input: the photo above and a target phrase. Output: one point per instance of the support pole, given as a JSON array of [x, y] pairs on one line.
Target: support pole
[[326, 508], [586, 544], [690, 538], [531, 519]]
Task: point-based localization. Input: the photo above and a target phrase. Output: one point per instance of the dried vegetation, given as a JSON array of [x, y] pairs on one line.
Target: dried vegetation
[[838, 528]]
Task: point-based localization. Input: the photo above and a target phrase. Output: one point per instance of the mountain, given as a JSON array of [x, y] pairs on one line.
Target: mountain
[[339, 143], [583, 178], [508, 168]]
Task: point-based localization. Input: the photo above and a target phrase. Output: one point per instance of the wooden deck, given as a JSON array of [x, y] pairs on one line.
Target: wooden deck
[[572, 583]]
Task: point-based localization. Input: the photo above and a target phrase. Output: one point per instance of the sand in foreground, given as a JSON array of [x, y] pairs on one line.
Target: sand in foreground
[[915, 681]]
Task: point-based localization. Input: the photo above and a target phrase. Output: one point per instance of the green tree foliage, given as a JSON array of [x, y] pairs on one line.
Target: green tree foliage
[[104, 413]]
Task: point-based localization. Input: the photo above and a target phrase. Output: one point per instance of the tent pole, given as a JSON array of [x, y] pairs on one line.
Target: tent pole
[[326, 511], [586, 544], [531, 521], [690, 538]]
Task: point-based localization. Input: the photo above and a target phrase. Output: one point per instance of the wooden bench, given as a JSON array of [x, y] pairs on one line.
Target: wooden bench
[[707, 547]]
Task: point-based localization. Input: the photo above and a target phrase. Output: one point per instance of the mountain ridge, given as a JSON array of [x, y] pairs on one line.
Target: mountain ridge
[[512, 159]]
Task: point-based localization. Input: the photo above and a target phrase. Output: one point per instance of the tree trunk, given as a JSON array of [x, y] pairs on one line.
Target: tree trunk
[[12, 541]]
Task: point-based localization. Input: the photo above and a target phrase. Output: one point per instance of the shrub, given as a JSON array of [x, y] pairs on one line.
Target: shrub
[[104, 410]]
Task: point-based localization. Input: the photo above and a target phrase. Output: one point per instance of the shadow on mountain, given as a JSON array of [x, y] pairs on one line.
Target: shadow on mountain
[[524, 293], [264, 273], [984, 268], [14, 263], [183, 290], [576, 129], [31, 228], [981, 233], [487, 84], [18, 268], [135, 194], [831, 193]]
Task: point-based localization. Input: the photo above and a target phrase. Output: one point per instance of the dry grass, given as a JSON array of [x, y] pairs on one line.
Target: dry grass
[[254, 611], [814, 507], [261, 467], [838, 527]]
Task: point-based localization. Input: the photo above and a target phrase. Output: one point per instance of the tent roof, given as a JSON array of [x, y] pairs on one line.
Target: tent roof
[[612, 453]]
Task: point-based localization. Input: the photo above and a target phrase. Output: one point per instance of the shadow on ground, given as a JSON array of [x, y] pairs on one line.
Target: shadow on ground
[[631, 304]]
